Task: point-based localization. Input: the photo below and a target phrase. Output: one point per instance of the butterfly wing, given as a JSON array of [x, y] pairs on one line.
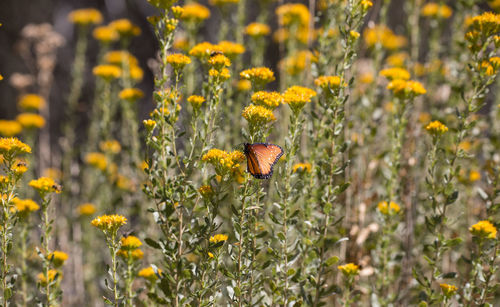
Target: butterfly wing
[[261, 158]]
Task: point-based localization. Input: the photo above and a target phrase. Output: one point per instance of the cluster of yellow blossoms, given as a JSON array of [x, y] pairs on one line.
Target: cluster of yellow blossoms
[[302, 167], [258, 76], [269, 100], [194, 13], [149, 274], [258, 115], [45, 185], [436, 10], [297, 96], [395, 73], [129, 248], [484, 229], [256, 29], [390, 208], [27, 121], [223, 161], [218, 238], [349, 269], [406, 89], [109, 223], [86, 209], [196, 101], [380, 34], [436, 128]]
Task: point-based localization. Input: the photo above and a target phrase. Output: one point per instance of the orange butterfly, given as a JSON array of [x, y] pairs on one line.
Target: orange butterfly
[[261, 158]]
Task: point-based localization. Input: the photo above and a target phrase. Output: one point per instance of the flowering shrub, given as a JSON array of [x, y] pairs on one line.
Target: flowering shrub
[[387, 192]]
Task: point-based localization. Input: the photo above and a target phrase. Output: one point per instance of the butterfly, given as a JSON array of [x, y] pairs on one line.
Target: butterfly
[[261, 158]]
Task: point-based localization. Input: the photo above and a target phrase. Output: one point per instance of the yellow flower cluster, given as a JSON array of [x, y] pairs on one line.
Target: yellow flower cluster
[[223, 161], [258, 115], [390, 208], [122, 59], [13, 147], [436, 128], [380, 34], [328, 82], [269, 100], [491, 66], [130, 243], [258, 75], [297, 96], [107, 72], [31, 102], [30, 120], [105, 34], [205, 191], [45, 185], [109, 223], [196, 101], [178, 61], [436, 10], [194, 12], [222, 2], [219, 75], [149, 124], [349, 269], [131, 94], [125, 27], [397, 59], [219, 61], [302, 168], [149, 274], [218, 238], [256, 29], [86, 209], [448, 290], [204, 50], [487, 24], [52, 276], [406, 89], [303, 34], [58, 258], [97, 160], [19, 167], [395, 73], [10, 128], [231, 49], [85, 17], [297, 63], [25, 206], [293, 13], [484, 229], [110, 146]]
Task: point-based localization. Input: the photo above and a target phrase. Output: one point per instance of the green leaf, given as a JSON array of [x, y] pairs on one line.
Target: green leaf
[[152, 243], [332, 260]]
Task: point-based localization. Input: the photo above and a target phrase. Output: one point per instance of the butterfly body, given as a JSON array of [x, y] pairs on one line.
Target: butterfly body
[[261, 158]]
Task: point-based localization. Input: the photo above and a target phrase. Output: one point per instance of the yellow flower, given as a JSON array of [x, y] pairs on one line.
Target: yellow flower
[[1, 77], [31, 102], [12, 147], [86, 209], [397, 59], [58, 258], [85, 16], [258, 115], [366, 78], [135, 254], [149, 274], [149, 124], [297, 97], [406, 89], [218, 238], [436, 128], [178, 60], [366, 4], [30, 120], [231, 49], [302, 167], [210, 255], [435, 10], [194, 12], [256, 29], [349, 269], [105, 34], [204, 50], [19, 167], [125, 28], [487, 23], [177, 11], [107, 72], [474, 176], [354, 35], [130, 243], [219, 61], [293, 13], [298, 62], [10, 127], [219, 75], [395, 73], [25, 206], [448, 290], [120, 58], [380, 34], [196, 101], [205, 191], [484, 229], [223, 161], [136, 73], [45, 185], [326, 82], [111, 146], [258, 75], [125, 183], [243, 85], [131, 94], [270, 100], [52, 276], [388, 209], [109, 223], [222, 2], [97, 160], [181, 43]]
